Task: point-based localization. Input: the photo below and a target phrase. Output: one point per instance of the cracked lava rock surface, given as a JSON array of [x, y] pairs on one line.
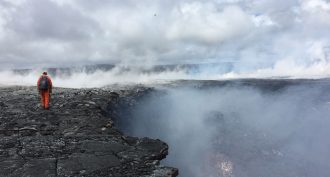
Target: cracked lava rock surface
[[76, 137]]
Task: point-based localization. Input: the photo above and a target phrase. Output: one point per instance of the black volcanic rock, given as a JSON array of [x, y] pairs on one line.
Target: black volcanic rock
[[76, 137]]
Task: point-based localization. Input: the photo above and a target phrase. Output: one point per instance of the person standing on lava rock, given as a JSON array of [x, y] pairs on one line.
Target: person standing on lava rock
[[45, 89]]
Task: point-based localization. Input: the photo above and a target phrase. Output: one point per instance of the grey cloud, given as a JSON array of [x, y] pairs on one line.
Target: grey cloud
[[253, 34], [43, 20]]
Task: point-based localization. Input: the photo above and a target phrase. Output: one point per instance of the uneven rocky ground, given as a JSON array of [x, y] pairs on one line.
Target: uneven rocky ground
[[76, 137]]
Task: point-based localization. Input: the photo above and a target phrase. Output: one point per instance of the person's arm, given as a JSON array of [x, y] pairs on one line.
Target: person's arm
[[38, 83]]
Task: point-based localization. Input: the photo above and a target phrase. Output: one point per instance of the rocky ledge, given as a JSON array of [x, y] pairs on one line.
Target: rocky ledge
[[76, 137]]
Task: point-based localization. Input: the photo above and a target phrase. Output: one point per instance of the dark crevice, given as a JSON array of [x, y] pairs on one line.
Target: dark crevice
[[56, 167]]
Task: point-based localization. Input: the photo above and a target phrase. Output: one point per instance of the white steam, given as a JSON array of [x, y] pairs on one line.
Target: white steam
[[240, 131], [122, 75]]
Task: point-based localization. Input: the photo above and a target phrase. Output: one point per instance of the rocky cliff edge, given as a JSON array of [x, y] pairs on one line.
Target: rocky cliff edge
[[76, 137]]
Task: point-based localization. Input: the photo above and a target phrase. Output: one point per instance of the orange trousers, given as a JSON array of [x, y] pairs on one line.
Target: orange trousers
[[45, 98]]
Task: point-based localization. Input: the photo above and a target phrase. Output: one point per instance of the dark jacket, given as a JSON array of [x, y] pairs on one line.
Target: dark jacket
[[50, 84]]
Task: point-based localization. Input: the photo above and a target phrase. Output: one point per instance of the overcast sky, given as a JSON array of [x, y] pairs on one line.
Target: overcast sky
[[251, 33]]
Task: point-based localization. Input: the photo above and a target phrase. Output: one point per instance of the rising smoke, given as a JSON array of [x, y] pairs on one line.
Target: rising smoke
[[81, 77], [240, 131]]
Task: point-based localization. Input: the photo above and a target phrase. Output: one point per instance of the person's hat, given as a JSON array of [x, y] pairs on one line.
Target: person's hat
[[44, 73]]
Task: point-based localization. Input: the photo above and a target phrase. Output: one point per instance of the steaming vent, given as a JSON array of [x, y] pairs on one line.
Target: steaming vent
[[241, 128]]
